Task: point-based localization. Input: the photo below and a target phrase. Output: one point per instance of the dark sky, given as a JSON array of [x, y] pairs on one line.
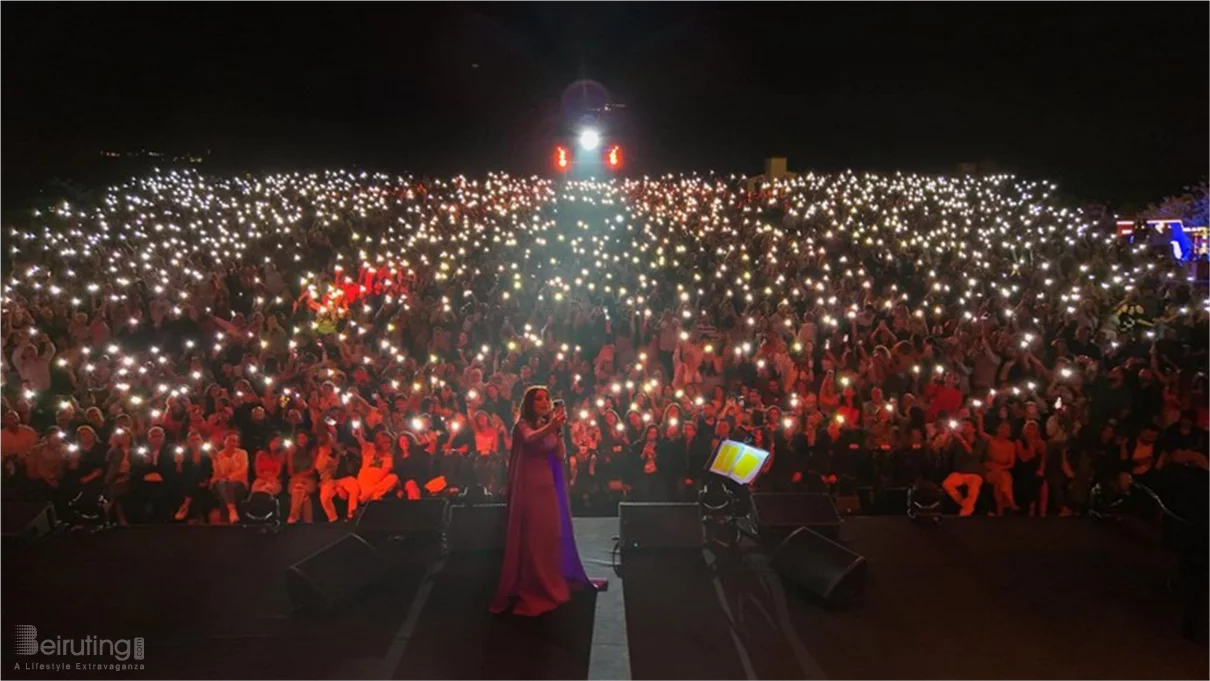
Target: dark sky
[[1109, 99]]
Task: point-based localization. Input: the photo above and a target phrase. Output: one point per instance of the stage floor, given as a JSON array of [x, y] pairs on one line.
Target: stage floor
[[973, 598]]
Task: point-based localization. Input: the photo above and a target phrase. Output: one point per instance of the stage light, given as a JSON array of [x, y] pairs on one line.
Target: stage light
[[562, 158], [613, 157], [589, 139]]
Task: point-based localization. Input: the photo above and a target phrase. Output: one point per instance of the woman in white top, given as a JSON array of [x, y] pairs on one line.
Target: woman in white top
[[230, 481]]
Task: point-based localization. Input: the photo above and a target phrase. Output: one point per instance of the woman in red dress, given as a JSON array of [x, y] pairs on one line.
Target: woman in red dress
[[541, 563]]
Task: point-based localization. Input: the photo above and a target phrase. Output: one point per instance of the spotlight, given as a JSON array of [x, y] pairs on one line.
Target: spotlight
[[589, 139]]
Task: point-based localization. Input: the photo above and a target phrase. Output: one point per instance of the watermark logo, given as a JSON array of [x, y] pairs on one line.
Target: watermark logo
[[127, 652], [25, 639]]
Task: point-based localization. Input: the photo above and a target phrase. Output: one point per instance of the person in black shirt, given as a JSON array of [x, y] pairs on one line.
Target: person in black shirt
[[86, 466], [1147, 398], [1111, 399], [697, 454], [453, 461], [1183, 444], [647, 474], [784, 470], [1082, 344], [523, 383], [497, 405], [772, 393], [413, 463], [255, 430], [194, 469], [673, 457], [155, 481]]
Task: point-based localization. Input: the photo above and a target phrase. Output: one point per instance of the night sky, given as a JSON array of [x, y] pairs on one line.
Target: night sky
[[1108, 99]]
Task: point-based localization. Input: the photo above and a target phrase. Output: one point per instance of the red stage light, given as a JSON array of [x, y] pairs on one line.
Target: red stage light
[[562, 158], [613, 157]]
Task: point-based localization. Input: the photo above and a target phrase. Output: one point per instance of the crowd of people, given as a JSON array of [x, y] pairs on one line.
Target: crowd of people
[[184, 345]]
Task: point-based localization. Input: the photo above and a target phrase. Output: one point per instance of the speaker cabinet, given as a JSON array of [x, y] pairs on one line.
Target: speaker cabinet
[[814, 563], [330, 577], [27, 520], [404, 517], [478, 527], [778, 514], [659, 525]]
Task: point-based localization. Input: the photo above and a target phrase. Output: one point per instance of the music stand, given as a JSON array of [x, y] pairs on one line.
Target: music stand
[[734, 465]]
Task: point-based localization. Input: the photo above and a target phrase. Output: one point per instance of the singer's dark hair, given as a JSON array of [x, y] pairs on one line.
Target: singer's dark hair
[[527, 403]]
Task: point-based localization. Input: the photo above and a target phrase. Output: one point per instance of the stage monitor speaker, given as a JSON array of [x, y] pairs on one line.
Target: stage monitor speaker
[[478, 527], [812, 562], [659, 525], [404, 517], [27, 520], [330, 577], [781, 513]]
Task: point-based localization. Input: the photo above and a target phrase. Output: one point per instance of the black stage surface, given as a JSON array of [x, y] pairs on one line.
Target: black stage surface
[[973, 598]]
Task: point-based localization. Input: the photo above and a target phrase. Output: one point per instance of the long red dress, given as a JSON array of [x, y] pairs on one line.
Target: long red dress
[[541, 563]]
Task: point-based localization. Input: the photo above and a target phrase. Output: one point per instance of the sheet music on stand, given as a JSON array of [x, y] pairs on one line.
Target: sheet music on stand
[[738, 462]]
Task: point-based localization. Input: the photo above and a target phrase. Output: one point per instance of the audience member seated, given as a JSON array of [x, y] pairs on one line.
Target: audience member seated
[[269, 467], [967, 470], [230, 481], [302, 478], [337, 477], [375, 479], [196, 470]]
